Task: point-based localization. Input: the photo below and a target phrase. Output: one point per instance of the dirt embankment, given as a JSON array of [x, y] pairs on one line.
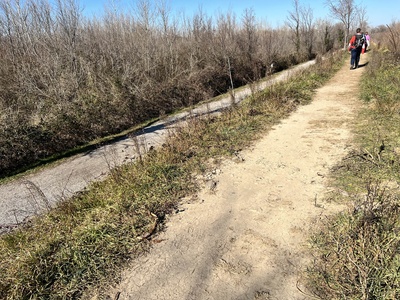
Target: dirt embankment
[[247, 237]]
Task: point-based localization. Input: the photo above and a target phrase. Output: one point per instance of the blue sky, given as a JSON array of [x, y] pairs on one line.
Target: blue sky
[[272, 12]]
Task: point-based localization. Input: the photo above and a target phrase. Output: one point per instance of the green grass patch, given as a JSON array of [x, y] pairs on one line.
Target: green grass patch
[[357, 253], [86, 241]]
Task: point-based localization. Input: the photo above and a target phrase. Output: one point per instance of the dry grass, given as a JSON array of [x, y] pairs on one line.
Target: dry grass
[[357, 253]]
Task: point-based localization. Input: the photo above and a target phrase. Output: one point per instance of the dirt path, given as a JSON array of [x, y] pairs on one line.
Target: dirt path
[[247, 238]]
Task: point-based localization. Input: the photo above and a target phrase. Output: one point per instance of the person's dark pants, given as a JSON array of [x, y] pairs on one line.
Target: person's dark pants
[[355, 57]]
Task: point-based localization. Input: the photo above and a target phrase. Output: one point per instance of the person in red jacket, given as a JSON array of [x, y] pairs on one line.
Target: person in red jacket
[[356, 46]]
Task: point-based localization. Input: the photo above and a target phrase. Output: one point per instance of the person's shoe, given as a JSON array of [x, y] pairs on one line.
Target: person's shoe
[[351, 67]]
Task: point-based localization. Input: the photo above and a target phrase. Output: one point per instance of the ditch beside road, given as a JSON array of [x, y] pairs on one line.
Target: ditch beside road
[[38, 191]]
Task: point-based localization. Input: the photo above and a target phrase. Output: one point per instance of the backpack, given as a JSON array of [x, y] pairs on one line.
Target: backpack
[[359, 40]]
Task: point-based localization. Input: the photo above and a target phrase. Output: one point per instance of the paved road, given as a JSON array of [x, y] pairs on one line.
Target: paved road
[[35, 193]]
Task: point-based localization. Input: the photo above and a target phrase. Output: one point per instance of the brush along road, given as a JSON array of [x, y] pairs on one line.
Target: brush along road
[[37, 192]]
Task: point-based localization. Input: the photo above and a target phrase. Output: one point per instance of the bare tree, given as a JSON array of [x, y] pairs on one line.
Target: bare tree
[[301, 22], [345, 12], [362, 17], [393, 37], [225, 34], [225, 41], [325, 39], [308, 30], [294, 23], [250, 32]]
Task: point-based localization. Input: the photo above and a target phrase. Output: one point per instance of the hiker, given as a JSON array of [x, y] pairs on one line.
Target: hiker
[[367, 40], [356, 46]]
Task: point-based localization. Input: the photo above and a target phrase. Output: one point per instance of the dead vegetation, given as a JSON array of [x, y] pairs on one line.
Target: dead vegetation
[[66, 80]]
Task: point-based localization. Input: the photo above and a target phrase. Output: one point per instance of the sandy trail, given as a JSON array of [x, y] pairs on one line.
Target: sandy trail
[[247, 239]]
